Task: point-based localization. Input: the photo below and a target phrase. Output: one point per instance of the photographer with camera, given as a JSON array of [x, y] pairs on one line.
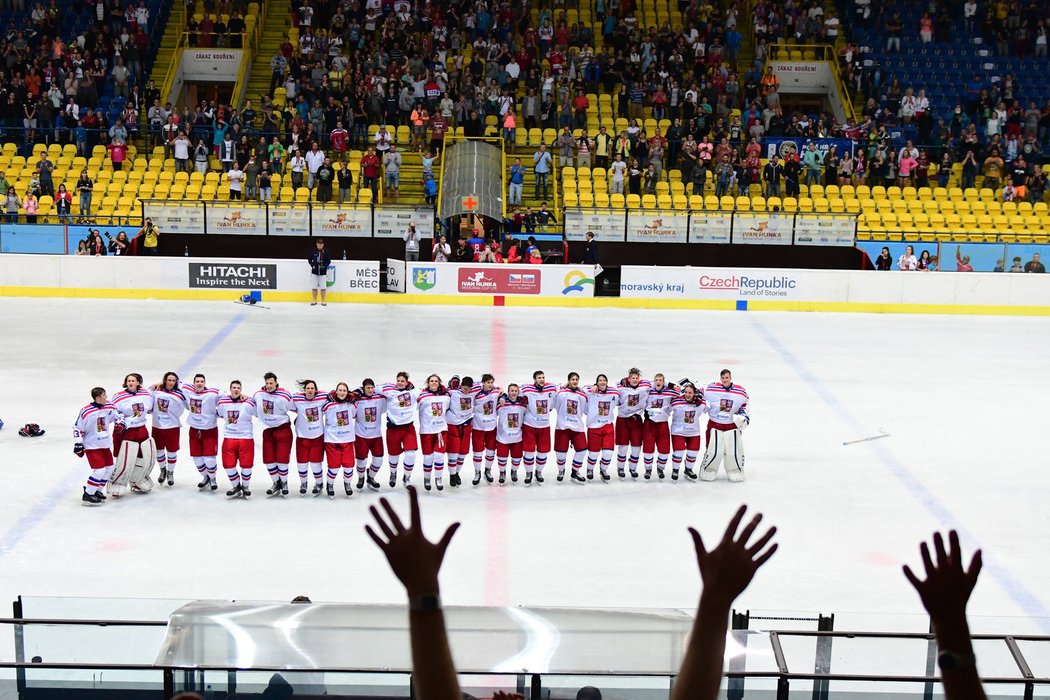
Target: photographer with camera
[[119, 245], [148, 238]]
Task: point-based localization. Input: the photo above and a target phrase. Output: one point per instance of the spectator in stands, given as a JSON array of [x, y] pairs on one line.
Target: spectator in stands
[[200, 157], [297, 165], [542, 163], [993, 169], [345, 180], [96, 246], [516, 182], [265, 183], [1035, 265], [12, 205], [411, 238], [82, 247], [441, 250], [235, 178], [85, 187], [64, 205], [118, 153], [907, 261], [771, 174], [813, 163], [325, 178], [884, 261], [31, 204], [392, 166], [923, 263], [430, 189]]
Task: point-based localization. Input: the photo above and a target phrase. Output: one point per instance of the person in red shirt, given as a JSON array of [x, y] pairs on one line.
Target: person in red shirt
[[370, 170], [339, 138], [438, 127], [118, 153], [579, 105]]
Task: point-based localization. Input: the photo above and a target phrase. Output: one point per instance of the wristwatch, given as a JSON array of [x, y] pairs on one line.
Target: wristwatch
[[426, 602], [949, 661]]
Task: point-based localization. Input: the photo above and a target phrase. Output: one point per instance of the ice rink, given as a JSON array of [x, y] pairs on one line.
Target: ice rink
[[963, 398]]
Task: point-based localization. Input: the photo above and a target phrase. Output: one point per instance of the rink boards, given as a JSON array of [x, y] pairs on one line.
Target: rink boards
[[353, 281]]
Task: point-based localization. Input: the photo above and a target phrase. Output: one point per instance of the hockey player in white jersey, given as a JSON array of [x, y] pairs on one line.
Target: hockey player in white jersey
[[602, 400], [461, 393], [272, 406], [630, 413], [202, 423], [687, 412], [536, 433], [169, 403], [483, 427], [134, 449], [656, 434], [401, 397], [510, 417], [727, 418], [571, 427], [370, 408], [432, 405], [92, 439], [235, 412], [309, 434], [339, 435]]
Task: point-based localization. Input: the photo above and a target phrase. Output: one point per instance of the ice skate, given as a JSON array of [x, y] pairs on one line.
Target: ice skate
[[171, 478], [488, 475], [318, 487], [634, 473], [349, 489], [674, 475], [539, 478], [330, 490], [605, 475], [361, 482], [477, 478], [163, 475], [235, 492], [590, 475], [648, 474], [561, 475], [275, 489], [302, 488], [438, 484], [214, 484], [660, 472], [372, 483], [514, 475], [205, 483], [90, 499], [406, 479], [576, 478], [502, 477], [426, 483], [621, 473], [528, 479], [690, 474], [393, 478]]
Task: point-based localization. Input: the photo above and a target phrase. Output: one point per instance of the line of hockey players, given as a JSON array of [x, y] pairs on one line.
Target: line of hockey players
[[340, 431]]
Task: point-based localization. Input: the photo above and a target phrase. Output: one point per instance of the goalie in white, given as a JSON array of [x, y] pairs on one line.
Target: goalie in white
[[134, 449], [727, 418]]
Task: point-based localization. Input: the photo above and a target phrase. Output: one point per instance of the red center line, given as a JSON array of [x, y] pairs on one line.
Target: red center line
[[497, 542]]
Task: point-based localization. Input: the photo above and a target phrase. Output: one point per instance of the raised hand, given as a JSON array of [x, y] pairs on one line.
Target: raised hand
[[414, 560], [947, 587], [728, 568]]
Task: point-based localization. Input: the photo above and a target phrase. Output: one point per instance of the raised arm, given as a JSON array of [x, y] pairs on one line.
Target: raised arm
[[726, 571], [944, 594], [416, 562]]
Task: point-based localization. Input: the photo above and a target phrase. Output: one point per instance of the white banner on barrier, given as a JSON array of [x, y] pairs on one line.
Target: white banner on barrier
[[500, 280], [336, 220], [824, 230], [218, 65], [732, 284], [605, 224], [658, 227], [765, 228], [186, 217], [710, 227], [395, 275], [244, 220], [289, 221], [393, 222]]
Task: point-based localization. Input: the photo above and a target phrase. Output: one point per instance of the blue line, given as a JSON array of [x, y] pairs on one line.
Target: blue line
[[60, 492], [1028, 601]]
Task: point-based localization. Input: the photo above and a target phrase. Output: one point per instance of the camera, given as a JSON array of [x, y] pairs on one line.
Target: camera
[[106, 234]]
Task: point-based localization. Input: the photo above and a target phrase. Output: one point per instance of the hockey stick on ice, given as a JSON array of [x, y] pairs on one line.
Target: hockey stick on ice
[[882, 434], [257, 306]]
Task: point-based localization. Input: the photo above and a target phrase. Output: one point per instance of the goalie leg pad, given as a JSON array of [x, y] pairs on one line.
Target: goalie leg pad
[[122, 466], [140, 473], [734, 455], [712, 456]]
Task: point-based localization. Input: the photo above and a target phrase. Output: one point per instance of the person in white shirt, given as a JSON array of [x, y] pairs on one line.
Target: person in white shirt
[[235, 176], [297, 165], [314, 160], [181, 150], [411, 238], [618, 168], [907, 261], [441, 250]]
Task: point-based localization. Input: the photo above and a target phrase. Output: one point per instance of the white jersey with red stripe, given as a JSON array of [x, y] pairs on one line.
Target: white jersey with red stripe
[[725, 403], [272, 407], [601, 406], [461, 405], [168, 407], [539, 401], [571, 406], [370, 415], [686, 415], [134, 407], [509, 419], [340, 418], [432, 408], [200, 407], [632, 398], [93, 426], [308, 421], [400, 404], [236, 416], [485, 410], [658, 403]]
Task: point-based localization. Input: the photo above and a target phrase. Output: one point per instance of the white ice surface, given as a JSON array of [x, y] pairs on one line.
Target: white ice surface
[[963, 398]]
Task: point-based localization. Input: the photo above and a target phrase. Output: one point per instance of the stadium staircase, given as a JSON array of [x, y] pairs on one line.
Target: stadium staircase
[[168, 48], [276, 26]]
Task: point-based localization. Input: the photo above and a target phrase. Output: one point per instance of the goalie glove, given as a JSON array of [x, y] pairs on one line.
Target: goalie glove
[[78, 449], [742, 420], [684, 382], [119, 428]]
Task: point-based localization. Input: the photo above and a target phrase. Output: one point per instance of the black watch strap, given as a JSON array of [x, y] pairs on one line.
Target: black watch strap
[[426, 602]]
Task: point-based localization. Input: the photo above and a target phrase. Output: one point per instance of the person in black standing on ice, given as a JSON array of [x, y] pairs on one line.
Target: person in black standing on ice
[[319, 260]]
